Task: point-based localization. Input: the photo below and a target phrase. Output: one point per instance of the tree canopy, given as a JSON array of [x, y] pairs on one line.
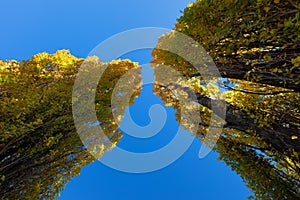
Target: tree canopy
[[254, 44], [256, 47], [40, 148], [256, 40]]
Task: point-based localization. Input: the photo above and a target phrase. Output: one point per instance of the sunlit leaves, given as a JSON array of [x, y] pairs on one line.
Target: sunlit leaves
[[251, 40], [40, 148], [255, 44]]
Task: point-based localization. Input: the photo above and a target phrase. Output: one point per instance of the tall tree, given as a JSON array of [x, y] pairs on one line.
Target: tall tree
[[248, 145], [40, 148], [255, 46]]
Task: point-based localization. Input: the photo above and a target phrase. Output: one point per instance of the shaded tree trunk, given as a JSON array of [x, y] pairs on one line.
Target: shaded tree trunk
[[280, 138]]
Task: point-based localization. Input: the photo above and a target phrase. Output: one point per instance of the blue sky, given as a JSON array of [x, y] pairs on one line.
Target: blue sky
[[30, 27]]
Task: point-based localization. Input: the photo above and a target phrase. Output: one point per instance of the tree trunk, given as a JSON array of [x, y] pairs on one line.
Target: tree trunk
[[236, 118]]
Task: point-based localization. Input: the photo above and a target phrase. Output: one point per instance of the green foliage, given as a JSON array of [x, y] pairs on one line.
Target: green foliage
[[262, 144], [256, 40], [255, 45], [40, 148], [257, 171]]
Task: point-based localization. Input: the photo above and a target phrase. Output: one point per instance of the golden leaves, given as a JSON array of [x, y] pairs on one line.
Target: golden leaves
[[294, 137], [266, 8], [191, 4], [35, 106]]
